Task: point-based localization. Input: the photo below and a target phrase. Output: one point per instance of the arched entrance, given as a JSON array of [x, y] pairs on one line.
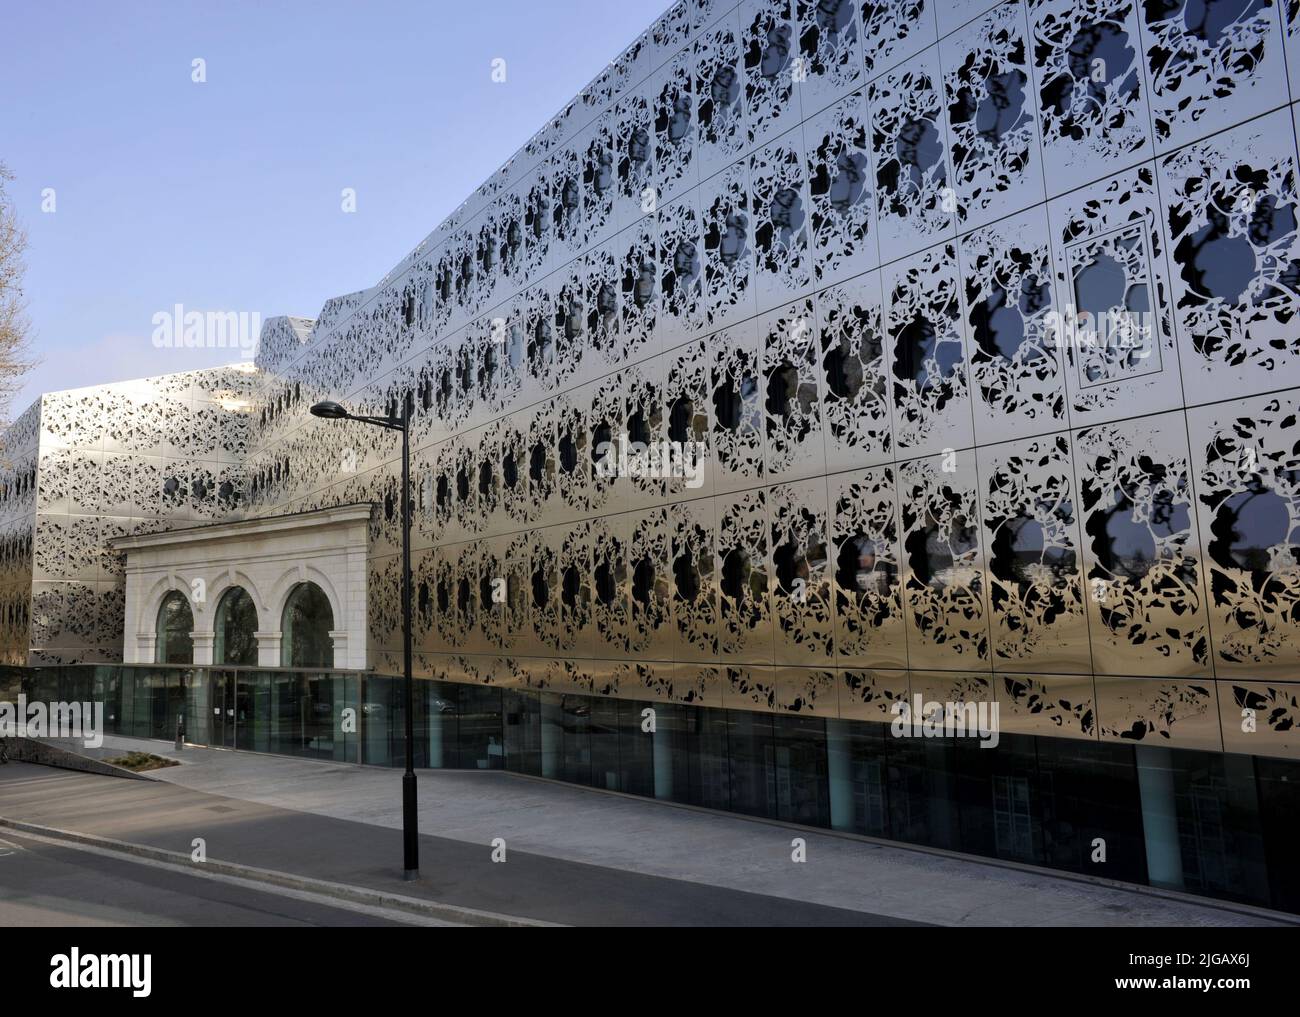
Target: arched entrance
[[305, 628], [175, 627]]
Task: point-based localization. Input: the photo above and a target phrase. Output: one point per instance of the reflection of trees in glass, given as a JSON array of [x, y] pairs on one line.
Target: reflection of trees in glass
[[175, 623], [236, 622], [306, 626]]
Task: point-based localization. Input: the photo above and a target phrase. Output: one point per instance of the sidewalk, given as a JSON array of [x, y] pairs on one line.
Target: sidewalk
[[166, 817], [573, 855]]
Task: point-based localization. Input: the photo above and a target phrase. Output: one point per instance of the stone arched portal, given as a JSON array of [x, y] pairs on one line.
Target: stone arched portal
[[264, 559]]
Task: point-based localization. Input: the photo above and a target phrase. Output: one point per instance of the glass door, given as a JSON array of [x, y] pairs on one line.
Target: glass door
[[222, 697]]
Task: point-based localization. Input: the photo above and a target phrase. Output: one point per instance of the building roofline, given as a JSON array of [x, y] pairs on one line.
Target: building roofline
[[306, 519]]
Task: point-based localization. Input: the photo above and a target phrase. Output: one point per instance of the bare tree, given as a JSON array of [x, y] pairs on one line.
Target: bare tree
[[15, 327]]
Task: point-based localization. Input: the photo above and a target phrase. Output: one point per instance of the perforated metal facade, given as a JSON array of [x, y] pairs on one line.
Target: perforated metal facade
[[833, 244]]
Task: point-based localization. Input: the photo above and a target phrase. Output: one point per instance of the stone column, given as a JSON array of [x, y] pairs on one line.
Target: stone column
[[268, 648], [144, 649], [339, 638], [203, 645]]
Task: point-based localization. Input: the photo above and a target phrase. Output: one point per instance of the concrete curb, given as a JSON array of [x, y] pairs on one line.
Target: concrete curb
[[286, 880]]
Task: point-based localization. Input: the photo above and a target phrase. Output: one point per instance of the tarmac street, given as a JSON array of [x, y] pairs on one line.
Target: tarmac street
[[51, 885]]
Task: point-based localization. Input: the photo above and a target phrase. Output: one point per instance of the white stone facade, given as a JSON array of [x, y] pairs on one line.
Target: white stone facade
[[268, 557]]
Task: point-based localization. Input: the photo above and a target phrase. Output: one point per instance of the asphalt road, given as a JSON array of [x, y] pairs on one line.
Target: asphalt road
[[43, 884]]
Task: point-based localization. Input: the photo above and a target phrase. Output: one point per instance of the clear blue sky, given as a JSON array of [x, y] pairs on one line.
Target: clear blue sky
[[226, 195]]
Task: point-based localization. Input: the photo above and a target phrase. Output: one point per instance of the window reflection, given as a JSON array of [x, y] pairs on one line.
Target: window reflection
[[175, 644]]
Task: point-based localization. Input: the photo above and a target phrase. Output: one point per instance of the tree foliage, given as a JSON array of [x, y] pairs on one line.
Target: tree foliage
[[15, 326]]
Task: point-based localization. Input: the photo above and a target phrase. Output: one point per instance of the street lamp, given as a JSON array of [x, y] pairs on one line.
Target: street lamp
[[410, 831]]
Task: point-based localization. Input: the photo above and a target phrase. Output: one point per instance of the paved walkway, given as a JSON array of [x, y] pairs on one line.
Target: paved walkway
[[573, 855], [161, 815]]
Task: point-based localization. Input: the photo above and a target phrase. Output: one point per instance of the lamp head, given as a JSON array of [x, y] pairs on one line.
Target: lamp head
[[329, 410]]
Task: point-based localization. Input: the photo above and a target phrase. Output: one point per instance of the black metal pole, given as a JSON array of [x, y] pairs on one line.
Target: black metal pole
[[410, 822]]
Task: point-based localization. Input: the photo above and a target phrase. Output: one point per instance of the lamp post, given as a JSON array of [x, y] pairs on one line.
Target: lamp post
[[410, 823]]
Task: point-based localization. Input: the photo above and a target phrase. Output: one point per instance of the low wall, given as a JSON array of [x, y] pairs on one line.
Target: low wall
[[45, 753]]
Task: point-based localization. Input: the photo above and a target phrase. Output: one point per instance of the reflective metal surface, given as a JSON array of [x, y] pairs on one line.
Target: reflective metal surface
[[988, 360]]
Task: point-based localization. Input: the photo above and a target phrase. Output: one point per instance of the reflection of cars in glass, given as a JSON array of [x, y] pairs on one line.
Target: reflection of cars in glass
[[370, 709], [322, 709], [439, 705]]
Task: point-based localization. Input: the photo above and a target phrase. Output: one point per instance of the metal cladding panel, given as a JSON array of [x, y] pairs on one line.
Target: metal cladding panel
[[749, 687], [470, 603], [676, 135], [841, 194], [492, 592], [719, 94], [782, 231], [516, 616], [770, 42], [992, 116], [469, 514], [651, 635], [1031, 533], [791, 392], [696, 684], [542, 452], [606, 416], [1145, 590], [800, 570], [927, 355], [1054, 706], [1091, 130], [485, 443], [688, 396], [645, 422], [641, 295], [1175, 712], [1248, 486], [857, 418], [573, 454], [653, 681], [1259, 718], [682, 309], [694, 579], [736, 379], [1200, 83], [744, 578], [602, 302], [1017, 371], [576, 591], [545, 595], [1113, 284], [976, 322], [611, 576], [634, 161], [915, 197], [599, 179], [727, 224], [945, 572], [807, 690], [1230, 201], [951, 697], [871, 694], [867, 563]]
